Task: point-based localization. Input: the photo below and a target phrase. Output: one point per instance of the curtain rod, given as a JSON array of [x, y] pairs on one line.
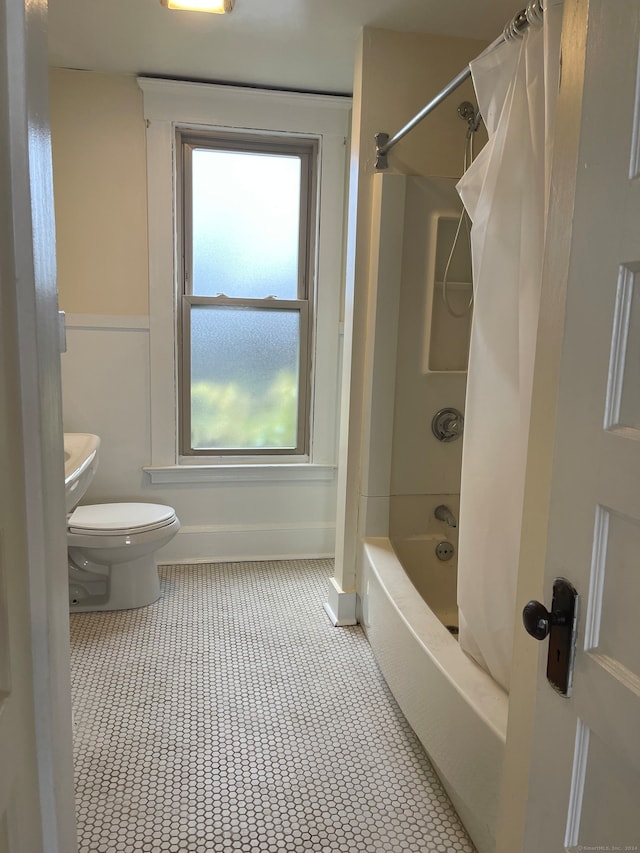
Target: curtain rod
[[514, 29]]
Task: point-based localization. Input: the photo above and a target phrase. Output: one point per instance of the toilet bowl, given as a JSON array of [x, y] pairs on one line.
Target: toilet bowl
[[112, 549]]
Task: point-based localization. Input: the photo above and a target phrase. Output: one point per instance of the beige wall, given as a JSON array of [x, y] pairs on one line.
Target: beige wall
[[99, 170], [100, 175], [401, 73]]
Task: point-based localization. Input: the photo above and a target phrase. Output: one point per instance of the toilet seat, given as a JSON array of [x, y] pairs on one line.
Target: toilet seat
[[113, 518]]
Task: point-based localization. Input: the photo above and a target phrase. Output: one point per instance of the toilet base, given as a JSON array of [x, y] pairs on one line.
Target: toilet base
[[119, 586]]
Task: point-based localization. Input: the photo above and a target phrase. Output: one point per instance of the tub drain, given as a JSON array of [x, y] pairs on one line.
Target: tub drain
[[445, 550]]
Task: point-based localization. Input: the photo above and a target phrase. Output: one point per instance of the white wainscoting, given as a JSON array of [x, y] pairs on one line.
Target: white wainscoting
[[106, 390], [215, 542]]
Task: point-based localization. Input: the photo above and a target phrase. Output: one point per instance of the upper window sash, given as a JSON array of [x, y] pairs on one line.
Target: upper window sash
[[306, 150]]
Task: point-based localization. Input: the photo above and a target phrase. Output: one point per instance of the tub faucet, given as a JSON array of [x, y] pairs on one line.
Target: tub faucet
[[443, 513]]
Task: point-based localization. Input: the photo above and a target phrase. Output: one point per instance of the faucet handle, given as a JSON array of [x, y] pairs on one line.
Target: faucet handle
[[443, 513], [447, 424]]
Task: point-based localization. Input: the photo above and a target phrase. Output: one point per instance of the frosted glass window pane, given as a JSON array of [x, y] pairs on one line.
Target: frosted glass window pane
[[244, 378], [246, 223]]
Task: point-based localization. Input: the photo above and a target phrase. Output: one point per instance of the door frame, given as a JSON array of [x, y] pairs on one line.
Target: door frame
[[33, 339]]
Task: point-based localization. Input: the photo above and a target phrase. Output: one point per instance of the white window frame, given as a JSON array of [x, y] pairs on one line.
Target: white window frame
[[169, 105], [302, 304]]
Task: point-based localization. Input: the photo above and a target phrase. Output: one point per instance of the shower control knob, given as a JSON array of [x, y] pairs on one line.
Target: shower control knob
[[447, 424], [538, 621]]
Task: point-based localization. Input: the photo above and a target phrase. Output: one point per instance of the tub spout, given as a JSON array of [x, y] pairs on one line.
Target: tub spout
[[443, 513]]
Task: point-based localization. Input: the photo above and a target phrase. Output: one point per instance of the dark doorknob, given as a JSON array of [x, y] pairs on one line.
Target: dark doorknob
[[537, 619], [560, 626]]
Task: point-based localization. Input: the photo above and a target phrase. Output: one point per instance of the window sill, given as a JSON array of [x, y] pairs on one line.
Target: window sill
[[272, 473]]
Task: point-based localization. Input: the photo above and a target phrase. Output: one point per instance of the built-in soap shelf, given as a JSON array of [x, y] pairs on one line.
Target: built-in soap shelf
[[448, 329]]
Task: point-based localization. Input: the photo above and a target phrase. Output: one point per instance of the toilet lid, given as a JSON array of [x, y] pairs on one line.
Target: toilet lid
[[110, 518]]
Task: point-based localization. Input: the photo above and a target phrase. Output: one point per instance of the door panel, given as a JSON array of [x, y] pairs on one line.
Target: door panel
[[585, 779]]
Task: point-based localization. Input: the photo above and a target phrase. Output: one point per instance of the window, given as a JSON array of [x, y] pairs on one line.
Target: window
[[247, 248], [280, 282]]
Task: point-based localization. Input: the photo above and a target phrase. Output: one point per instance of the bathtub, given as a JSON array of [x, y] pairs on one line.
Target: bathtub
[[458, 712]]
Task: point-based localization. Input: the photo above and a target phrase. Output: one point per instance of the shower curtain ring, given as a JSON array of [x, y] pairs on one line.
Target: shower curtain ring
[[513, 29], [533, 12]]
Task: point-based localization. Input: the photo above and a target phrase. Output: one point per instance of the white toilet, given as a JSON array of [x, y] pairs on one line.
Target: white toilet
[[111, 546]]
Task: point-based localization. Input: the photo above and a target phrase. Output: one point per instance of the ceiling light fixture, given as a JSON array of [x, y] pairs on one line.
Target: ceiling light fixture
[[220, 7]]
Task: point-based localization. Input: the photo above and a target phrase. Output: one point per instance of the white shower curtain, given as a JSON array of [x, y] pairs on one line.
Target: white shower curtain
[[505, 192]]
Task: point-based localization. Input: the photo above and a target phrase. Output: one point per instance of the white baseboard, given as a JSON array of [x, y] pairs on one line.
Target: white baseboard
[[340, 606], [209, 544]]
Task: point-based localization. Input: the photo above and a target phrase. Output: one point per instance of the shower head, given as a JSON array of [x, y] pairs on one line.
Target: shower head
[[473, 126], [470, 114]]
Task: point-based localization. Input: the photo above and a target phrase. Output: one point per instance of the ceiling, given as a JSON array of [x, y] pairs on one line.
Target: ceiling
[[293, 44]]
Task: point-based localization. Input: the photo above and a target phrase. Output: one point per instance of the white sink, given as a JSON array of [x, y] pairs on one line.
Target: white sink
[[80, 463]]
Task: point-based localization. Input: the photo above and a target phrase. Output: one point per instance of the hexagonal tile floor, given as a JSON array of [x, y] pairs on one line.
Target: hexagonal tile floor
[[232, 716]]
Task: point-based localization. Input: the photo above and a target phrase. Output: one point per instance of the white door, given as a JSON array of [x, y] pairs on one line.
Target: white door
[[36, 772], [585, 781]]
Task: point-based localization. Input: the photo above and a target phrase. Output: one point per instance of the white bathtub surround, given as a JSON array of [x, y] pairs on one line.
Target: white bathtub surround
[[231, 716], [505, 193], [436, 580], [456, 709], [460, 715], [415, 533]]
